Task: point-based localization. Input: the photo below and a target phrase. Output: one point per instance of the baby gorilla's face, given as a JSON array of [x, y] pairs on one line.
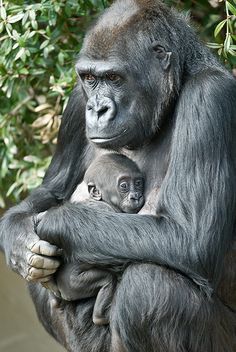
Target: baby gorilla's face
[[130, 193]]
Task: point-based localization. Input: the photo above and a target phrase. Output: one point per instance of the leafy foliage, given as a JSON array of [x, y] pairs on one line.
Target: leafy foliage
[[38, 46], [216, 22]]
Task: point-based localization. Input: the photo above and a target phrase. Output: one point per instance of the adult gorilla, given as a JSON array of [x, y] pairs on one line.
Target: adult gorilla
[[150, 90]]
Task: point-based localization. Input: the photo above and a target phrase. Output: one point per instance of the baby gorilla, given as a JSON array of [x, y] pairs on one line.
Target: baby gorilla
[[117, 181], [114, 183]]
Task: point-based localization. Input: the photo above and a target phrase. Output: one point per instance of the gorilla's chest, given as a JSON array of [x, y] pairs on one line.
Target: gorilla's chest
[[153, 162]]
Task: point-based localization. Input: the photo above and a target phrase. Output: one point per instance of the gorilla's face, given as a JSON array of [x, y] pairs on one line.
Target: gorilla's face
[[127, 92]]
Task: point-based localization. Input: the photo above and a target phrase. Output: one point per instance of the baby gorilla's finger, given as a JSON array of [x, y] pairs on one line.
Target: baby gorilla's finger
[[45, 248], [40, 262], [38, 274]]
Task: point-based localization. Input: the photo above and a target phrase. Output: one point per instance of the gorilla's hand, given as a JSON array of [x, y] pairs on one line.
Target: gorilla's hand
[[32, 258]]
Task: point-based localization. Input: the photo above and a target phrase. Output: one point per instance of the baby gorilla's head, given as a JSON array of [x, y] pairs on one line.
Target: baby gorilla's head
[[116, 180]]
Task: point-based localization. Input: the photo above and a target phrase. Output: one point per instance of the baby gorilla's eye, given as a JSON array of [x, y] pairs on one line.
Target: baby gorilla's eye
[[124, 186], [139, 183]]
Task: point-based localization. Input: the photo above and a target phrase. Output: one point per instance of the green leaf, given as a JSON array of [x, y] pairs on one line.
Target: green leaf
[[15, 46], [9, 90], [219, 27], [9, 28], [227, 43], [34, 24], [45, 52], [26, 15], [61, 58], [232, 52], [24, 71], [231, 8], [12, 188], [31, 34], [37, 72], [16, 18], [32, 15], [32, 159], [214, 45], [44, 44], [2, 203], [1, 26], [15, 35], [19, 54], [3, 13]]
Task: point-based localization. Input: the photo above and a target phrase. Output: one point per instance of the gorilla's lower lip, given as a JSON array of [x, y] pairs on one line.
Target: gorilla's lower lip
[[98, 140]]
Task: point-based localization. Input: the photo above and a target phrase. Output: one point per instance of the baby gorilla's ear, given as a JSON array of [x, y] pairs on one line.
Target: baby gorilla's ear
[[94, 193]]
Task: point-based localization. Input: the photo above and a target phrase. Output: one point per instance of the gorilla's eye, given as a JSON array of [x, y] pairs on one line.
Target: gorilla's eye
[[160, 50], [124, 186], [88, 77], [112, 77], [139, 183]]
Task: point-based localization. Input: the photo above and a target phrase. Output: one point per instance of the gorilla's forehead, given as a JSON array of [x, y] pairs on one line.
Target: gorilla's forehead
[[120, 25], [118, 15]]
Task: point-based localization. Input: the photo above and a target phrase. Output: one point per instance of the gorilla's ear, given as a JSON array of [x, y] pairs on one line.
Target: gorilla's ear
[[94, 193], [163, 55]]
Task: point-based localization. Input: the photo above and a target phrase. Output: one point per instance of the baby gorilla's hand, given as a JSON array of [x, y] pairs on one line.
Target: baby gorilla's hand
[[78, 281]]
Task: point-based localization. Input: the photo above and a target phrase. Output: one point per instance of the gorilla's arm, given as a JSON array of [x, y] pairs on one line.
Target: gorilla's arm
[[197, 202], [17, 235]]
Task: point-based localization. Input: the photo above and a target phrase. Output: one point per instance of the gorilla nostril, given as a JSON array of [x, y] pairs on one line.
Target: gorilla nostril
[[102, 111], [89, 106]]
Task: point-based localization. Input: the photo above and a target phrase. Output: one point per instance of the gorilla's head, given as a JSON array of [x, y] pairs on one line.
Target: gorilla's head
[[130, 73]]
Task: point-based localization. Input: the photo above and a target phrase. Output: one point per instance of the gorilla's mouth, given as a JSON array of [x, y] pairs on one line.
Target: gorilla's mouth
[[104, 140], [100, 140]]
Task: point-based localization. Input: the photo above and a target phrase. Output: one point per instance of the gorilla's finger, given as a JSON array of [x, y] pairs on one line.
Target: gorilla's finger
[[38, 274], [40, 262], [44, 248]]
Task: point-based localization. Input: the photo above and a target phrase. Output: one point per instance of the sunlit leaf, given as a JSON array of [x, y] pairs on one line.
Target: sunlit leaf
[[32, 159], [219, 27], [231, 8], [1, 26], [214, 45], [15, 34], [15, 18], [34, 24], [42, 121], [227, 42], [44, 44], [3, 13], [232, 52], [20, 54]]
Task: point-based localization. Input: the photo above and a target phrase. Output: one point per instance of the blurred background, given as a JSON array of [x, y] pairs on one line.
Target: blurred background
[[39, 42]]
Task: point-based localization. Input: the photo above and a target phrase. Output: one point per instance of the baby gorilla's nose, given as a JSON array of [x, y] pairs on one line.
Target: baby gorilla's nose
[[134, 196]]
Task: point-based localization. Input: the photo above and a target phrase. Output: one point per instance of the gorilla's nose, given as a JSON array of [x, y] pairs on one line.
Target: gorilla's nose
[[134, 196], [103, 109]]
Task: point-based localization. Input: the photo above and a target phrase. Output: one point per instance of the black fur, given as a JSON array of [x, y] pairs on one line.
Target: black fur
[[176, 114]]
